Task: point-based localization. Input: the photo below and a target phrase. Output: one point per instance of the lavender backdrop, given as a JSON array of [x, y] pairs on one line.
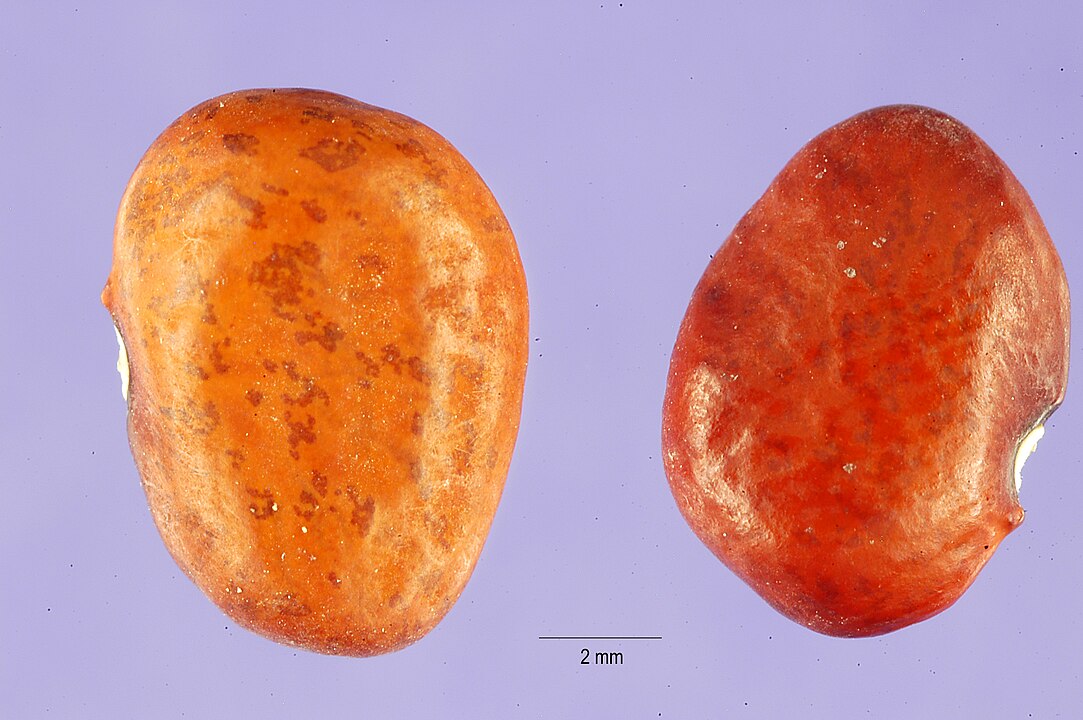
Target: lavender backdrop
[[623, 140]]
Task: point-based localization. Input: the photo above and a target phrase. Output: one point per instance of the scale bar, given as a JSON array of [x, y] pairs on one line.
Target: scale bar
[[599, 637]]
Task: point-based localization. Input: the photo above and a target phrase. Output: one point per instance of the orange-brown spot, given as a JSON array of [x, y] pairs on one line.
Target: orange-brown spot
[[362, 128], [333, 155], [312, 391], [300, 432], [328, 339], [495, 223], [200, 419], [253, 206], [291, 370], [372, 262], [372, 368], [263, 503], [313, 210], [217, 362], [275, 190], [236, 458], [240, 143], [310, 505], [281, 274], [363, 510], [414, 365], [319, 482], [290, 605], [411, 148], [316, 113], [196, 370]]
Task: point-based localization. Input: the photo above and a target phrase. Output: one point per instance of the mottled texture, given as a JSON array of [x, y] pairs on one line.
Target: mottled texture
[[326, 320], [857, 367]]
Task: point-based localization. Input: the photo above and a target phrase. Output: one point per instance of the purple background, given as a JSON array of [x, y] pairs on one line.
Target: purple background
[[624, 141]]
